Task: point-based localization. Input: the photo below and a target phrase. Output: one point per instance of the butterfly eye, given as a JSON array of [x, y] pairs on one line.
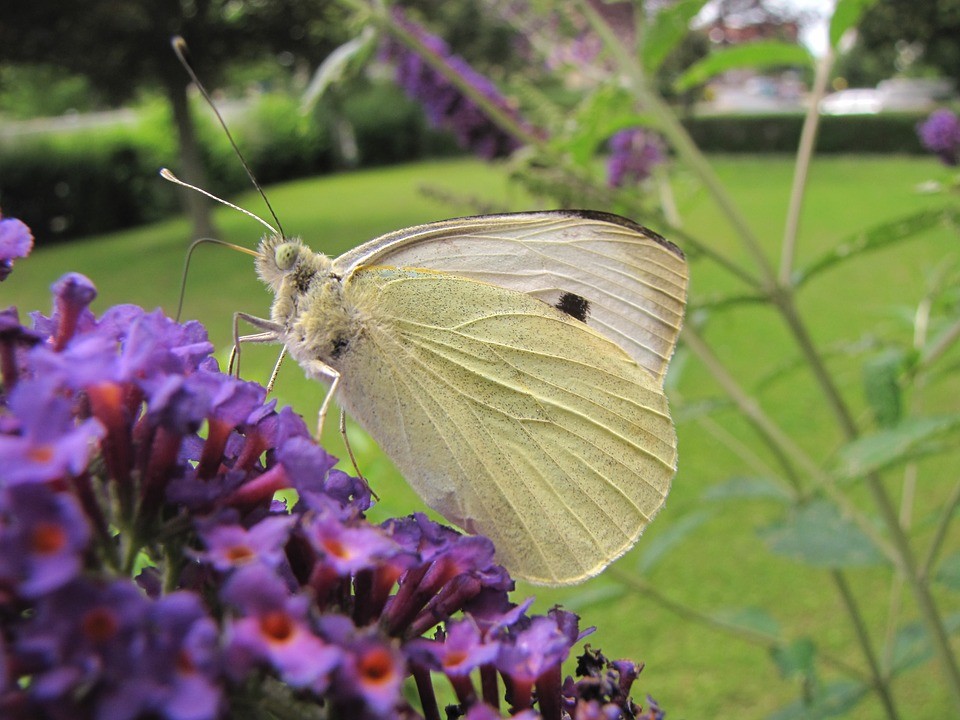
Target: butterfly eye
[[286, 255]]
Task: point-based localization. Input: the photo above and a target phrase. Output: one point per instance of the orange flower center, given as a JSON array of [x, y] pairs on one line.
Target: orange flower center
[[99, 624], [41, 453], [240, 553], [277, 626], [376, 666], [47, 538]]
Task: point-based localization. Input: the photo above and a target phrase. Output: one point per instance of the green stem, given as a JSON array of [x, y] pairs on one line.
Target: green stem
[[808, 138], [780, 442], [750, 635], [880, 685], [676, 135], [940, 534]]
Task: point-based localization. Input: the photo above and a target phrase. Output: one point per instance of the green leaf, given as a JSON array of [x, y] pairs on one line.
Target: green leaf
[[336, 65], [748, 488], [829, 700], [764, 54], [911, 644], [846, 14], [604, 113], [669, 27], [905, 441], [654, 550], [881, 386], [795, 659], [879, 236], [752, 619], [818, 535], [948, 573]]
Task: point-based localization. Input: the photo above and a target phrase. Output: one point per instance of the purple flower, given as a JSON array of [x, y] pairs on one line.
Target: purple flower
[[43, 535], [16, 241], [79, 637], [940, 133], [47, 445], [348, 550], [370, 676], [273, 628], [105, 476], [445, 104], [171, 670], [633, 155], [231, 546]]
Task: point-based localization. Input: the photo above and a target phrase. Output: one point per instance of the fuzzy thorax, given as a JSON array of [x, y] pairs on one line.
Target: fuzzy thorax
[[309, 301]]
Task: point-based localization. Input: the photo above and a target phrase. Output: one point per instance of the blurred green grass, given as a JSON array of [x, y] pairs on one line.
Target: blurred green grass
[[692, 671]]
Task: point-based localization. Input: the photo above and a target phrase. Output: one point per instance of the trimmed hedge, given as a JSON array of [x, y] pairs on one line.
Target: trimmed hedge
[[94, 181], [87, 182], [883, 133]]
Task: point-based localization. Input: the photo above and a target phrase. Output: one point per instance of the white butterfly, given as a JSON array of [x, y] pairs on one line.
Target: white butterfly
[[510, 365]]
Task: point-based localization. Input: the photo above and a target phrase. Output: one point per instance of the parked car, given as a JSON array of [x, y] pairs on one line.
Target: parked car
[[896, 94]]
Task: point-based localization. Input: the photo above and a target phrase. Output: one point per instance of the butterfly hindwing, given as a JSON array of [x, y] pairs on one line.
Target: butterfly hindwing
[[509, 417]]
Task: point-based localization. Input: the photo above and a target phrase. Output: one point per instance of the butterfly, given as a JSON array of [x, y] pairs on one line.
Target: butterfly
[[510, 365]]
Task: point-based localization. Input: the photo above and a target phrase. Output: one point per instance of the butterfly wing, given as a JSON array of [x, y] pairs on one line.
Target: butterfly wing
[[625, 281], [509, 418]]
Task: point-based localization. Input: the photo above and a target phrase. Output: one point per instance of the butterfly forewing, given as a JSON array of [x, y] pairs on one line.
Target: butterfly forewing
[[509, 417], [633, 281]]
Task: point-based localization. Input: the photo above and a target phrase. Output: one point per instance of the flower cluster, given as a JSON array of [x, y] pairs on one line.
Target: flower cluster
[[633, 155], [16, 241], [940, 133], [148, 570], [446, 106]]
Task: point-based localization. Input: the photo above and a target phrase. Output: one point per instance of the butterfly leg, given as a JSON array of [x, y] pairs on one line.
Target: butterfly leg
[[271, 334], [353, 458], [276, 370]]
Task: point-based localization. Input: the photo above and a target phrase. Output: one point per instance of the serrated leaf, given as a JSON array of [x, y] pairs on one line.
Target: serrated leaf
[[877, 237], [818, 535], [669, 27], [756, 55], [749, 618], [660, 545], [881, 387], [748, 488], [795, 659], [948, 574], [846, 14], [830, 700], [905, 441], [911, 644], [335, 65]]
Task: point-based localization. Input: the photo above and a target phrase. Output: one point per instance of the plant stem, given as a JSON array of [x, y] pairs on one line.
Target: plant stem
[[880, 685], [750, 635], [808, 138], [676, 135], [940, 534], [780, 442]]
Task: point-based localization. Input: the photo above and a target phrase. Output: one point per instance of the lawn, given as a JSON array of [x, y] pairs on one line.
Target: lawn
[[693, 671]]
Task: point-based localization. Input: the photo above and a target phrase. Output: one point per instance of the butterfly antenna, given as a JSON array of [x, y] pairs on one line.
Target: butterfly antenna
[[193, 246], [180, 48], [167, 175]]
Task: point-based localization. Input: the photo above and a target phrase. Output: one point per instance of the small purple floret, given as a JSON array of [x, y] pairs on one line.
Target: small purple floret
[[940, 133]]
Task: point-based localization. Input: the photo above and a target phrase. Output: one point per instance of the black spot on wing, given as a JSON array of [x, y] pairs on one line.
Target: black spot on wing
[[574, 305]]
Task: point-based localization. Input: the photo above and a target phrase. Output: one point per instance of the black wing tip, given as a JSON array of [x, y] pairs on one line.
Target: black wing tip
[[627, 223]]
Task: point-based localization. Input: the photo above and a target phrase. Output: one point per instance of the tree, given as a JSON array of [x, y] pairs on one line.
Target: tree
[[123, 47], [897, 36]]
